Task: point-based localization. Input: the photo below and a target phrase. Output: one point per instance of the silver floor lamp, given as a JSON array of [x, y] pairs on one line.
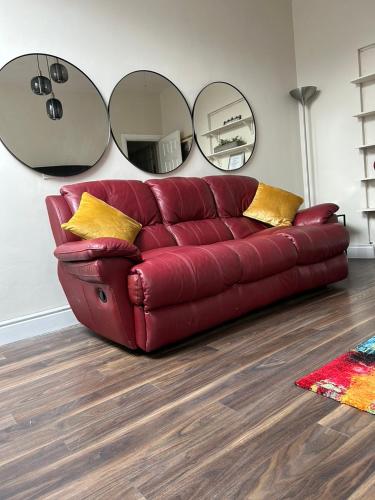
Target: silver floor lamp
[[303, 95]]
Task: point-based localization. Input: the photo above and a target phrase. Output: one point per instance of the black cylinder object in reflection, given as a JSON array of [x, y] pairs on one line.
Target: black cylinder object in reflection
[[54, 109], [41, 85], [59, 73]]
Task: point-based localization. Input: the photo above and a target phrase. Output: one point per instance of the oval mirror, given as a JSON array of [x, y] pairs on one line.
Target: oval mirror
[[151, 122], [52, 117], [224, 126]]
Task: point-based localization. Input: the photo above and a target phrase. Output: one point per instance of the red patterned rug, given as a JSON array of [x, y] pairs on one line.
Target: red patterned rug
[[349, 379]]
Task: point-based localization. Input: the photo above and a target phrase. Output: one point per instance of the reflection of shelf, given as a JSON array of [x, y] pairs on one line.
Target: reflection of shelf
[[368, 179], [229, 126], [237, 149], [364, 114], [364, 78], [366, 146], [368, 210]]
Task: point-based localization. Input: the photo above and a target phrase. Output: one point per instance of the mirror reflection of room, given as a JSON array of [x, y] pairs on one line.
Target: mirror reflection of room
[[224, 126], [151, 122]]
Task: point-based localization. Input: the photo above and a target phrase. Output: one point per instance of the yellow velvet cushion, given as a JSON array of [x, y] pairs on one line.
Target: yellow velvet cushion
[[273, 206], [96, 219]]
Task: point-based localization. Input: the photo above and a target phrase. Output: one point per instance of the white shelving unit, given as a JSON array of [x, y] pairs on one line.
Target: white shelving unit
[[366, 148], [243, 127], [229, 126], [365, 78], [237, 149], [364, 114]]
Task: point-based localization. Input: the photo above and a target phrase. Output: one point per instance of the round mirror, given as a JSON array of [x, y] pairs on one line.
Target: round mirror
[[224, 126], [151, 122], [52, 117]]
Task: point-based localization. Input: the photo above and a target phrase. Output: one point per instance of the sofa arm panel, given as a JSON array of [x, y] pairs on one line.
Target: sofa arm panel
[[87, 250], [97, 292], [318, 214]]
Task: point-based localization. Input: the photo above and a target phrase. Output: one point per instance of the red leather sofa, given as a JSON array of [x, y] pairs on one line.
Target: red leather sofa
[[196, 263]]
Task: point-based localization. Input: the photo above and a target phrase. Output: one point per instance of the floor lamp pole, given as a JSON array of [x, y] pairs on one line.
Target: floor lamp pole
[[303, 95], [306, 156]]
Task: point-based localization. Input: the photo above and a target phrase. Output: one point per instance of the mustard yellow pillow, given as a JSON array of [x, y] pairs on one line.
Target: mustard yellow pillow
[[273, 206], [96, 219]]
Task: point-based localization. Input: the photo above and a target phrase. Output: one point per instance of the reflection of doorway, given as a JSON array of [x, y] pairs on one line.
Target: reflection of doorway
[[143, 154], [142, 150], [153, 153]]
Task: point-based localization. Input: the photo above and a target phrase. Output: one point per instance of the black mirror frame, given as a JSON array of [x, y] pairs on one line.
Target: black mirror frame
[[58, 172], [187, 105], [255, 127]]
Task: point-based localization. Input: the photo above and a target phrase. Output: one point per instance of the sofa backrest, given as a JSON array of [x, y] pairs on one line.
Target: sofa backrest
[[233, 194], [134, 198], [172, 211], [188, 209]]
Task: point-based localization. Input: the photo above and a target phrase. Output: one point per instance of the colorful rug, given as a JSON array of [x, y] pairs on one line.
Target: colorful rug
[[349, 379]]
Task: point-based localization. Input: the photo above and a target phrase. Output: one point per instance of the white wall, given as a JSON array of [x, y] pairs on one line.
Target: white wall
[[327, 36], [246, 42]]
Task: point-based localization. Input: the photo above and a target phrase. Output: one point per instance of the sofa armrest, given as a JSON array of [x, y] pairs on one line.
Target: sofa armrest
[[319, 214], [86, 250]]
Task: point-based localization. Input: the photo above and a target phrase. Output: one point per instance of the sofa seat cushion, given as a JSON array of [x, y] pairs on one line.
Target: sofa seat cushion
[[200, 232], [313, 243], [176, 275], [241, 227]]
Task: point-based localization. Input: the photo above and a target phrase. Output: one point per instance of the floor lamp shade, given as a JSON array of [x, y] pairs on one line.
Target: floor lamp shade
[[304, 95]]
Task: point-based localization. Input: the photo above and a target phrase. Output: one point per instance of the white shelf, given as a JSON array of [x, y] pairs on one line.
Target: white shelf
[[368, 210], [237, 149], [368, 179], [366, 146], [364, 78], [229, 126], [364, 114]]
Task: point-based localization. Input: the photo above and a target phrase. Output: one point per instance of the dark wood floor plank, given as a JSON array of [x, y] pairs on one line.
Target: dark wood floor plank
[[111, 402], [365, 490], [347, 420], [272, 477], [24, 349], [343, 471], [257, 440], [97, 485], [128, 446], [217, 416]]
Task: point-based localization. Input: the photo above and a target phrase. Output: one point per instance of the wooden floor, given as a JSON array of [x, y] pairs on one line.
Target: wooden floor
[[218, 417]]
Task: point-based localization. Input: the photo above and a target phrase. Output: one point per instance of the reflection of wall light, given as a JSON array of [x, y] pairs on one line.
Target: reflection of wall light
[[53, 105], [59, 73], [54, 109], [40, 84]]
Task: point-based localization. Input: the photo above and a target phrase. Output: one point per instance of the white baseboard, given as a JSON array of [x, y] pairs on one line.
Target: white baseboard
[[36, 324], [361, 252]]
